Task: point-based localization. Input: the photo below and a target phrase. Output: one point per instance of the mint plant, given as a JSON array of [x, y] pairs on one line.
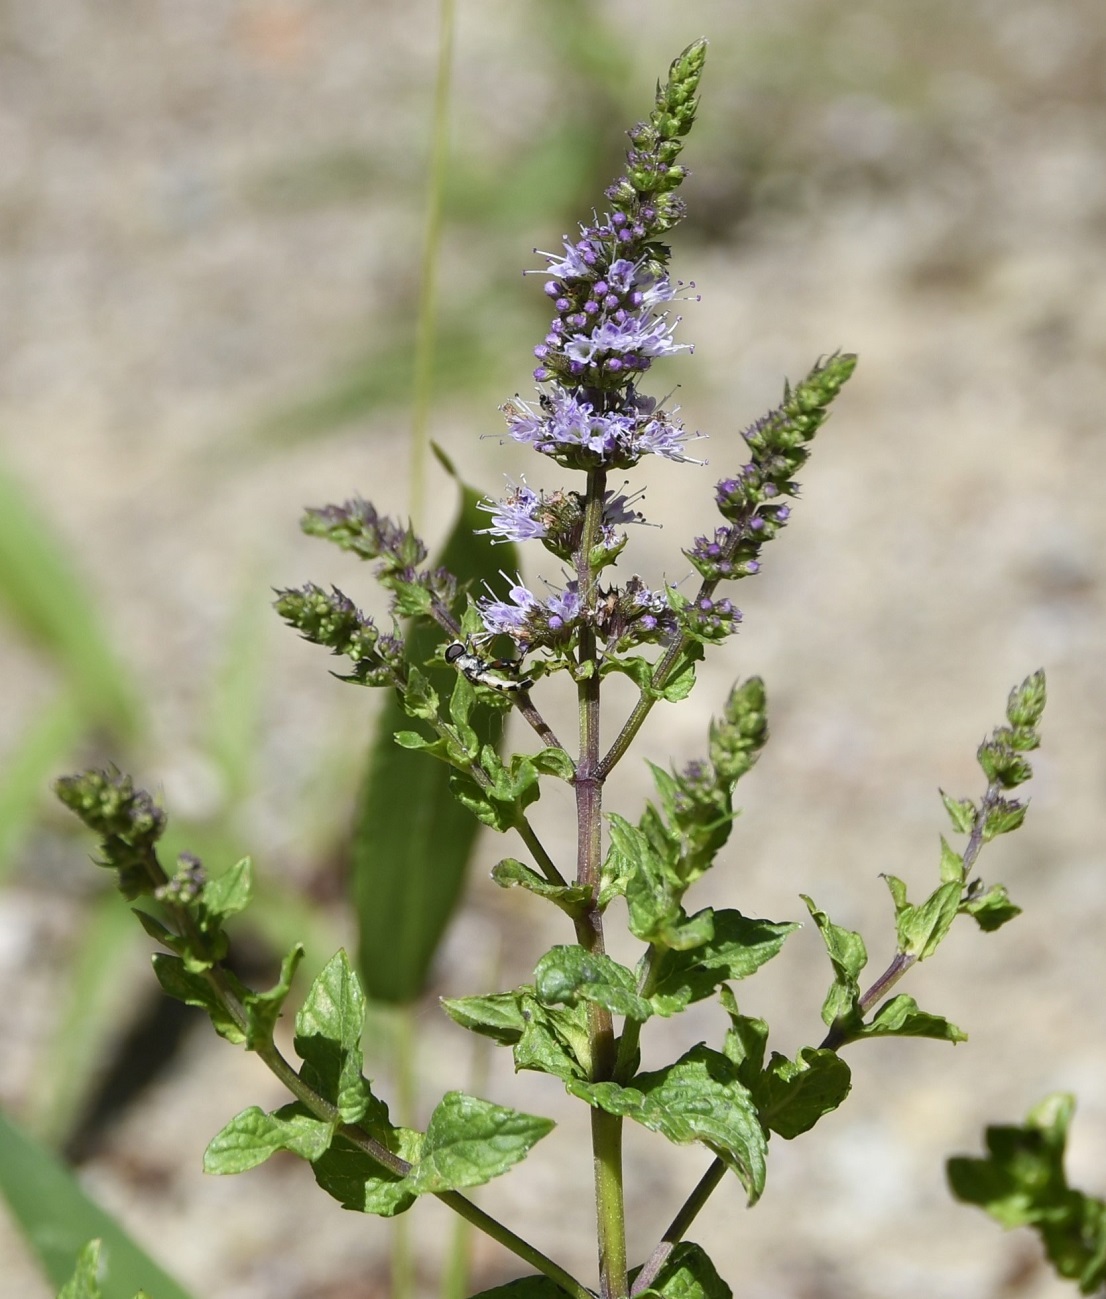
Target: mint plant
[[582, 1015]]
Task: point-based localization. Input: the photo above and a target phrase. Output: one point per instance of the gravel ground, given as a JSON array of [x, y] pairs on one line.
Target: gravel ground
[[210, 208]]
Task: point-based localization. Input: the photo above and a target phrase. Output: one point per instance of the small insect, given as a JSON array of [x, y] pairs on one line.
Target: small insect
[[482, 673]]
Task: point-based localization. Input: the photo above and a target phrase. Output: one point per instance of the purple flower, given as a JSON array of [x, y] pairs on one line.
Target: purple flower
[[532, 623], [517, 517], [578, 433]]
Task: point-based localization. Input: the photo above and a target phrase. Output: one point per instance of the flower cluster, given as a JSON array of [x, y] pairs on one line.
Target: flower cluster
[[359, 528], [607, 329], [779, 445], [332, 619], [624, 616], [557, 520], [590, 429]]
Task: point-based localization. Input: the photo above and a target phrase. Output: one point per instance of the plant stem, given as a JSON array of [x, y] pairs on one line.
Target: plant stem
[[714, 1174], [402, 1260], [679, 1225], [606, 1129]]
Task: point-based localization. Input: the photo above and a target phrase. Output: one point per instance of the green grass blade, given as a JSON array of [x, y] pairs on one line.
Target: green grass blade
[[58, 1218], [412, 839], [39, 755], [44, 598], [97, 988]]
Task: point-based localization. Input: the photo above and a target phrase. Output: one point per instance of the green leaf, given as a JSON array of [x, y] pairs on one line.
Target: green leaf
[[329, 1025], [408, 871], [230, 893], [1026, 704], [681, 680], [252, 1136], [263, 1008], [548, 1039], [1002, 817], [992, 910], [738, 948], [848, 956], [961, 812], [900, 1017], [746, 1041], [568, 974], [194, 989], [1021, 1182], [526, 1287], [469, 1141], [699, 1098], [58, 1220], [921, 929], [790, 1095], [794, 1094], [85, 1281], [360, 1183], [498, 1016], [571, 898], [688, 1274], [952, 864], [555, 1041]]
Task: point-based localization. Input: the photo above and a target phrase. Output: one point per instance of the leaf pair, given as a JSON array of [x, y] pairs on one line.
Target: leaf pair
[[374, 1167]]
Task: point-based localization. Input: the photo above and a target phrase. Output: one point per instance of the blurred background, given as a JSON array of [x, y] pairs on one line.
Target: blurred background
[[212, 217]]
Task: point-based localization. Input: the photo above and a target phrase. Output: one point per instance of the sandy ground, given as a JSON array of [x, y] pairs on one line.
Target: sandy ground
[[178, 263]]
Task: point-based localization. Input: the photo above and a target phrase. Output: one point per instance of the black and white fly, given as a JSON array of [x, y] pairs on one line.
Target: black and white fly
[[482, 673]]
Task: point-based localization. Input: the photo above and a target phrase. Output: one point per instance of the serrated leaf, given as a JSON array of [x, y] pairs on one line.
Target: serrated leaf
[[195, 990], [329, 1025], [230, 892], [699, 1098], [469, 1141], [961, 812], [571, 898], [688, 1274], [359, 1183], [921, 929], [794, 1094], [746, 1041], [738, 947], [263, 1008], [58, 1220], [681, 680], [993, 910], [1002, 819], [554, 762], [252, 1136], [568, 974], [498, 1016], [900, 1017], [555, 1040], [952, 864], [848, 956]]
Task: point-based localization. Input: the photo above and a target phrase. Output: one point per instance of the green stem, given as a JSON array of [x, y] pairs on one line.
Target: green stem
[[679, 1226], [402, 1260], [428, 291], [544, 862], [606, 1129]]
